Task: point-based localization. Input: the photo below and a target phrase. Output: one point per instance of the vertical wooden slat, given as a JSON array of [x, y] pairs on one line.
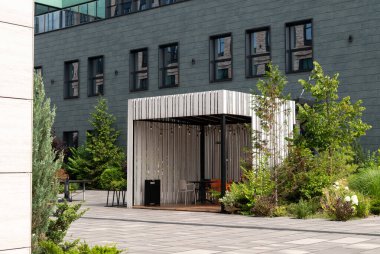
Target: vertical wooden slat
[[174, 154]]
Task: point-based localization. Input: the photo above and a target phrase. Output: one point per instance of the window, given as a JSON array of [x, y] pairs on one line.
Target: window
[[142, 4], [258, 52], [38, 70], [139, 70], [221, 58], [96, 76], [169, 68], [165, 2], [119, 7], [123, 7], [72, 79], [70, 138], [299, 46]]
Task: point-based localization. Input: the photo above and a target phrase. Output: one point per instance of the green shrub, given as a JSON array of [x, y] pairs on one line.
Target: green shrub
[[73, 187], [113, 179], [302, 209], [315, 181], [235, 200], [49, 247], [63, 216], [343, 211], [242, 196], [265, 206], [304, 175], [85, 249], [339, 203], [364, 207], [214, 195], [375, 206], [280, 211], [367, 181]]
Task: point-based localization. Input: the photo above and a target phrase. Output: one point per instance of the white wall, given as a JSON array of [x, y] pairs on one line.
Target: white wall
[[16, 93]]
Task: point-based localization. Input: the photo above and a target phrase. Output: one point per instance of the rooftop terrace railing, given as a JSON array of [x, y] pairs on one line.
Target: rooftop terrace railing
[[93, 11]]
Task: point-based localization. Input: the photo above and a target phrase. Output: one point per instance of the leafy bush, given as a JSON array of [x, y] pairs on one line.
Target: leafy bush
[[73, 187], [113, 179], [280, 211], [339, 202], [235, 200], [315, 181], [304, 175], [49, 247], [304, 208], [265, 206], [367, 181], [343, 211], [63, 216], [375, 206], [364, 206], [242, 196]]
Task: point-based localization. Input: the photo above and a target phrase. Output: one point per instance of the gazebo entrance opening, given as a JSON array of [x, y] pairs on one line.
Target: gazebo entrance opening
[[190, 149]]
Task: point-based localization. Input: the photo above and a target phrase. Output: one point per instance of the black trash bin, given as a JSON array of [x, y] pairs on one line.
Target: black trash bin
[[152, 192]]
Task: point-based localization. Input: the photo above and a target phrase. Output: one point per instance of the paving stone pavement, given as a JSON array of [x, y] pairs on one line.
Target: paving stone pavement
[[164, 232]]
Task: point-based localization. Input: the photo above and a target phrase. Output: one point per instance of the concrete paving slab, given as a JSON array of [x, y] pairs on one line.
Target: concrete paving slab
[[350, 240], [172, 232], [364, 246], [307, 241]]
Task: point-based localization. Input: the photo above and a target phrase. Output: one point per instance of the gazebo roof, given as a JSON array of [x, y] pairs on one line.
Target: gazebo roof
[[194, 108]]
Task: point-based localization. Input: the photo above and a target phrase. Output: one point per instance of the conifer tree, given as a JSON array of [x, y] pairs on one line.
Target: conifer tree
[[100, 151], [45, 163]]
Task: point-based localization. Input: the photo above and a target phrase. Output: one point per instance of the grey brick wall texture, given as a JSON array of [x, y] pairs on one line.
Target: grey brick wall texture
[[191, 24]]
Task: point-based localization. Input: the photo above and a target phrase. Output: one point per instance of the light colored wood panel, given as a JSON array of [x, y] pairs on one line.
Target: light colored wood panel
[[17, 251], [130, 148], [16, 65], [16, 135], [15, 212], [18, 12]]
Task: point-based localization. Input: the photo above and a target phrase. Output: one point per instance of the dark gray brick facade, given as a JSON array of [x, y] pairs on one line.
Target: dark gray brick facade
[[191, 24]]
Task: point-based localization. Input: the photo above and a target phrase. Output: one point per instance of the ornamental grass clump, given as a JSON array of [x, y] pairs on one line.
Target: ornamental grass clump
[[367, 181], [303, 209], [339, 202]]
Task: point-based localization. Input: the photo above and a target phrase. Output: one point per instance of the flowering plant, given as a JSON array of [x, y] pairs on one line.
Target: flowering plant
[[339, 202]]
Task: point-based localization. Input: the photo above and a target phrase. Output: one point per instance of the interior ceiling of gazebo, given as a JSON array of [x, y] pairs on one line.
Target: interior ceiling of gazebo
[[204, 120]]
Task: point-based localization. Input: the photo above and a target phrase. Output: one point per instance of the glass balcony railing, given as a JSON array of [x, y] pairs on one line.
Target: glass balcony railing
[[92, 11]]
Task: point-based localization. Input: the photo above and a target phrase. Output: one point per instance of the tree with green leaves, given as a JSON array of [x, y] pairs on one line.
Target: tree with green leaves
[[45, 163], [330, 123], [100, 150], [268, 105], [323, 152]]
